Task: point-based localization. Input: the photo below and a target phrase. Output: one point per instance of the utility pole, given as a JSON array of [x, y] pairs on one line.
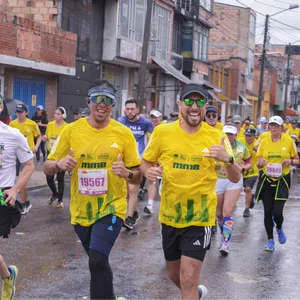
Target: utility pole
[[287, 80], [141, 87], [262, 68]]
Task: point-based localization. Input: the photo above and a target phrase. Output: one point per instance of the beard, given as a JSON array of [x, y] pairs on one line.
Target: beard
[[193, 120]]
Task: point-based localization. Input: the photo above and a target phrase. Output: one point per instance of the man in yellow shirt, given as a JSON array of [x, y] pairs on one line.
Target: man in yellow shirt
[[102, 155], [294, 131], [31, 131], [184, 153]]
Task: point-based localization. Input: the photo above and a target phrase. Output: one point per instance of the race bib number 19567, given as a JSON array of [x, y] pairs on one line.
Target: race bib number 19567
[[92, 182]]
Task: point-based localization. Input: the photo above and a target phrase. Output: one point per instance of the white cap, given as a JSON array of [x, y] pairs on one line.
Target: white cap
[[41, 107], [263, 120], [155, 113], [276, 119], [230, 129]]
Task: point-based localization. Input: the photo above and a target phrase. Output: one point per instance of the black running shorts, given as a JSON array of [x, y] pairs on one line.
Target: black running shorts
[[191, 241]]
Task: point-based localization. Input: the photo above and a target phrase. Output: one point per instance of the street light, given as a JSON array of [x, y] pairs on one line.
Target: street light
[[263, 57]]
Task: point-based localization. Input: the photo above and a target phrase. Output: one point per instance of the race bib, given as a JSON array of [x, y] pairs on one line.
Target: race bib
[[274, 170], [92, 182], [52, 142]]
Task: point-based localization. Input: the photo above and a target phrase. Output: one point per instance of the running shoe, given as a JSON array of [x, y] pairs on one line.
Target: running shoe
[[26, 207], [202, 290], [224, 249], [9, 284], [129, 223], [148, 209], [60, 204], [281, 236], [246, 213], [136, 217], [270, 245], [52, 199]]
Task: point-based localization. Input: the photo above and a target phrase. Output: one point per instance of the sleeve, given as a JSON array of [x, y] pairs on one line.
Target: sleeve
[[47, 131], [246, 153], [152, 151], [227, 145], [130, 155], [150, 127], [62, 145], [259, 152], [294, 150], [23, 151], [37, 130]]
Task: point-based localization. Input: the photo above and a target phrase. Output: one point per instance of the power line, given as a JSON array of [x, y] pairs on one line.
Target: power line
[[287, 25]]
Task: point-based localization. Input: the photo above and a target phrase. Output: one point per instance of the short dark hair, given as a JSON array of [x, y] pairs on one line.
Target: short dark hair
[[132, 100]]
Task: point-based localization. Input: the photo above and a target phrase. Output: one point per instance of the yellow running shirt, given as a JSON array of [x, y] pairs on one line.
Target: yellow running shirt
[[276, 152], [95, 190], [52, 133], [254, 170], [28, 128], [188, 195]]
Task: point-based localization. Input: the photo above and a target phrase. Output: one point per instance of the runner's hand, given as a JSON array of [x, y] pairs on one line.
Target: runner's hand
[[119, 168], [286, 162], [153, 174], [218, 152], [261, 162], [68, 162], [11, 196]]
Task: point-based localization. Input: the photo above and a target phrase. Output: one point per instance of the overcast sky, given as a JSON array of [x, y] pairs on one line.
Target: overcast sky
[[279, 33]]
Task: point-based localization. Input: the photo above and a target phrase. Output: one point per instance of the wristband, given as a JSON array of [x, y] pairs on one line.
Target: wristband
[[130, 175]]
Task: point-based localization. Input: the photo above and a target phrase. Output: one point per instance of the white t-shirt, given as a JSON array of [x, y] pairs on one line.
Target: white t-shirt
[[13, 146]]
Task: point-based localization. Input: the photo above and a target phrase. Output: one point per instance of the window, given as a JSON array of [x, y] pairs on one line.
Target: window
[[252, 27], [160, 32], [200, 43], [131, 19], [250, 61]]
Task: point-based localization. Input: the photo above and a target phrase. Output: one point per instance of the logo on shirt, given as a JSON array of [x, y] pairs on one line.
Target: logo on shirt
[[197, 243], [114, 145], [205, 150]]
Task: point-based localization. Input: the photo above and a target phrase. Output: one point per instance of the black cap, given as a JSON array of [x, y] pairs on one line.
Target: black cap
[[21, 107], [212, 108], [192, 88], [250, 131]]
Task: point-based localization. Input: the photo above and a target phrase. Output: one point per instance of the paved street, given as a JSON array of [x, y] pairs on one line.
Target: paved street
[[53, 265]]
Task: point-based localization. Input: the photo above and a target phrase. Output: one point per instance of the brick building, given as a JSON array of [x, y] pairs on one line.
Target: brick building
[[231, 58], [34, 52]]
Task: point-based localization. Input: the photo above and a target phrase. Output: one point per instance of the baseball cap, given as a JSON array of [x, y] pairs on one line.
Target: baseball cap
[[276, 119], [250, 131], [263, 120], [155, 113], [211, 108], [236, 119], [21, 107], [192, 88], [174, 114], [41, 107], [230, 129]]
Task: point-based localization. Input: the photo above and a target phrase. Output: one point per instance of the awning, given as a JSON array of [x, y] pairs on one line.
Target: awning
[[169, 69], [214, 96], [291, 112], [244, 100]]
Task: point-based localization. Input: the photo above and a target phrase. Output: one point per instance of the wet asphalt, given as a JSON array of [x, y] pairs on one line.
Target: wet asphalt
[[53, 265]]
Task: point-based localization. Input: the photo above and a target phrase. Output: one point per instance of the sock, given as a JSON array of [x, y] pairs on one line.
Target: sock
[[220, 222], [227, 227], [150, 202]]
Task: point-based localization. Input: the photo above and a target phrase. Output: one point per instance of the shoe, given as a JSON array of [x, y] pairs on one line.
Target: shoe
[[246, 213], [252, 202], [270, 245], [281, 236], [148, 210], [51, 200], [129, 223], [60, 204], [136, 217], [9, 284], [202, 290], [224, 249], [26, 207]]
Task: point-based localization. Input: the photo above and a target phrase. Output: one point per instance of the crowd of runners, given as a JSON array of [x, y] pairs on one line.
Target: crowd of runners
[[196, 164]]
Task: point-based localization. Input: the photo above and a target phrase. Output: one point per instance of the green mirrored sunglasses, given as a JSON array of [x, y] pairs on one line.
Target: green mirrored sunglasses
[[199, 102]]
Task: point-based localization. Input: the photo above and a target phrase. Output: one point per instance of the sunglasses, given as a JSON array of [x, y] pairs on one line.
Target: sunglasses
[[211, 115], [190, 102], [274, 125], [101, 98]]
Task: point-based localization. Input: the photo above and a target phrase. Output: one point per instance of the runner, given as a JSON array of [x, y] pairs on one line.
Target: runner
[[186, 151], [40, 117], [263, 126], [140, 126], [228, 192], [275, 154], [53, 131], [96, 149], [211, 117], [250, 175], [13, 146], [237, 121], [156, 119], [31, 131]]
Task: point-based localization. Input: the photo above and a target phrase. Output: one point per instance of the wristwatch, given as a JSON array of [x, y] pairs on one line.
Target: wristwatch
[[130, 175], [230, 160]]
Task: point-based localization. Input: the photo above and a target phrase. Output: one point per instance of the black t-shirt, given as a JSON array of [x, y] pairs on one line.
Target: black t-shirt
[[43, 120]]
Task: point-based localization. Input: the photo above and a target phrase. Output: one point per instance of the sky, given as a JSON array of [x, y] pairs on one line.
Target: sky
[[284, 27]]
